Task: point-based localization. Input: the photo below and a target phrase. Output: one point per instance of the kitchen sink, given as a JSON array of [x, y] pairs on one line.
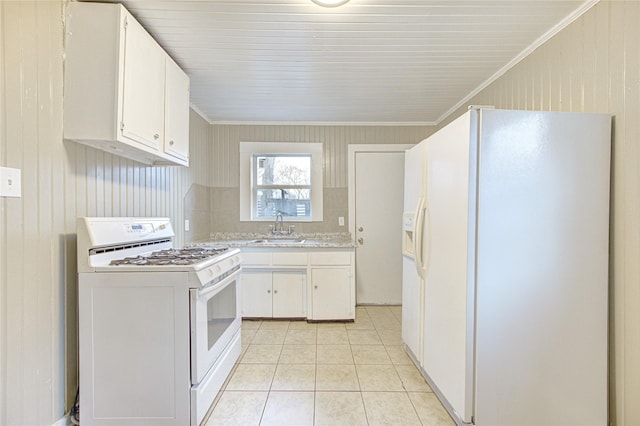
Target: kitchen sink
[[279, 241]]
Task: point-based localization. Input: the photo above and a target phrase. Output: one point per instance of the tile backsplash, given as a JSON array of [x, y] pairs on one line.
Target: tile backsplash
[[197, 210]]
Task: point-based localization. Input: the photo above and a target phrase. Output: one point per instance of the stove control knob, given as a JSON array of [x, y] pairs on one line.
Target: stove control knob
[[210, 272], [218, 268]]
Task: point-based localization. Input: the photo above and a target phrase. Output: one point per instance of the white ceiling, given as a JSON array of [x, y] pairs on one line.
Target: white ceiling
[[368, 61]]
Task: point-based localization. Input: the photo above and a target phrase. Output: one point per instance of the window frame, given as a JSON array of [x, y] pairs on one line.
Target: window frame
[[250, 150]]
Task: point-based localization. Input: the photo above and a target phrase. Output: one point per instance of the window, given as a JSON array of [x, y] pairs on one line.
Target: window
[[281, 178], [281, 183]]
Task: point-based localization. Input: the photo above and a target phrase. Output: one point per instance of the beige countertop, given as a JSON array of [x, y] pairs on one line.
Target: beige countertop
[[294, 240]]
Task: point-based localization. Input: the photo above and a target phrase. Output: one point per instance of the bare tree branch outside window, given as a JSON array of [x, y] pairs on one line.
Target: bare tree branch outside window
[[283, 184]]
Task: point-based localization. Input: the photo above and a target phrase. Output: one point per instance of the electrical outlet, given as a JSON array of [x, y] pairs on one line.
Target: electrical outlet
[[341, 221], [186, 225], [10, 185]]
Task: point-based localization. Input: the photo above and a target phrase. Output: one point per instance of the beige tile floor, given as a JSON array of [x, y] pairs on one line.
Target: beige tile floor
[[296, 373]]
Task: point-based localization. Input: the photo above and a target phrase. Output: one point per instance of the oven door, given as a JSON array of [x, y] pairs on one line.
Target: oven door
[[215, 319]]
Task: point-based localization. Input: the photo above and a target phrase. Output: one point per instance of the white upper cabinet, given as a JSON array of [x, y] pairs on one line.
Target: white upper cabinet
[[143, 98], [176, 128], [123, 93]]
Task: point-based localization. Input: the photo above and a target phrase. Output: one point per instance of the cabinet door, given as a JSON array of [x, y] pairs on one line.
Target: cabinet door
[[256, 294], [289, 296], [176, 136], [144, 77], [331, 298]]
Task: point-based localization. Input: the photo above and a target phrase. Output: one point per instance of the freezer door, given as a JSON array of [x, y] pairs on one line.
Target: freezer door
[[412, 284], [414, 165], [448, 243], [412, 309]]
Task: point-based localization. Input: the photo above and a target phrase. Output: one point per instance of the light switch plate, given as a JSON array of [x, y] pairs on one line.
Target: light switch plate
[[341, 221], [186, 225], [10, 185]]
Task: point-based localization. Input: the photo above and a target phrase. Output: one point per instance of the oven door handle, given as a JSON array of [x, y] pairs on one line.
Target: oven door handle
[[206, 289]]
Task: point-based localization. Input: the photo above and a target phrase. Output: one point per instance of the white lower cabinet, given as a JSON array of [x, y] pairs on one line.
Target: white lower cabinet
[[289, 295], [257, 298], [274, 294], [331, 294], [317, 284]]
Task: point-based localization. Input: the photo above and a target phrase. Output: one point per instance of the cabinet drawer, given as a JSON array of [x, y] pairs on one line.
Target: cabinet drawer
[[334, 258], [256, 258], [289, 258]]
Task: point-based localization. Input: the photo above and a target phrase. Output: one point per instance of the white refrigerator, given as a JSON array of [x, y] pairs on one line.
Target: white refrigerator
[[505, 243]]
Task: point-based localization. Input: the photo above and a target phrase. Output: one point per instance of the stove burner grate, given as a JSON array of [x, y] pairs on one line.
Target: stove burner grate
[[184, 256]]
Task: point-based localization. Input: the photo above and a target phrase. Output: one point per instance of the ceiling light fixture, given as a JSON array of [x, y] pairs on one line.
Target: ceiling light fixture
[[330, 3]]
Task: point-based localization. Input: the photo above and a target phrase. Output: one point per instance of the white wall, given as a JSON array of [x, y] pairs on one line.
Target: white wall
[[593, 65], [60, 181]]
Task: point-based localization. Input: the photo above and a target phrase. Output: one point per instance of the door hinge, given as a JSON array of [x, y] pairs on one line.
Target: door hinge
[[125, 23], [122, 126]]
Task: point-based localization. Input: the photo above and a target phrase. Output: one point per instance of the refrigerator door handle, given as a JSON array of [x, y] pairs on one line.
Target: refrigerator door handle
[[417, 238], [425, 244]]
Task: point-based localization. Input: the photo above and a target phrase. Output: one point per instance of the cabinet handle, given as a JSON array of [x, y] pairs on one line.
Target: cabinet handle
[[156, 136], [268, 291], [275, 291], [315, 286], [361, 229], [170, 142]]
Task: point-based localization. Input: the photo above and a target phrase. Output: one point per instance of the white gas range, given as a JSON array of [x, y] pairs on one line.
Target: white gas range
[[159, 328]]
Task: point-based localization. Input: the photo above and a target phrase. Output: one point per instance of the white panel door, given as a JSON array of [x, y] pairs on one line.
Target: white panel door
[[379, 181], [144, 77], [447, 349]]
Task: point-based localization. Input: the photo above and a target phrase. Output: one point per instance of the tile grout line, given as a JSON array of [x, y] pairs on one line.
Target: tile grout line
[[380, 325]]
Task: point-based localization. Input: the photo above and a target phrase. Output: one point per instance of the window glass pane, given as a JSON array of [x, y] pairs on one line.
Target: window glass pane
[[283, 169], [290, 202], [281, 177]]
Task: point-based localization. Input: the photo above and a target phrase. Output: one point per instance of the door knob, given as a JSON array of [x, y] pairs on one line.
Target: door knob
[[361, 229], [361, 241]]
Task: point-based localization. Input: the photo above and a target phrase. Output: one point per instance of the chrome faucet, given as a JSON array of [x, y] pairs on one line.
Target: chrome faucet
[[280, 219], [275, 227]]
